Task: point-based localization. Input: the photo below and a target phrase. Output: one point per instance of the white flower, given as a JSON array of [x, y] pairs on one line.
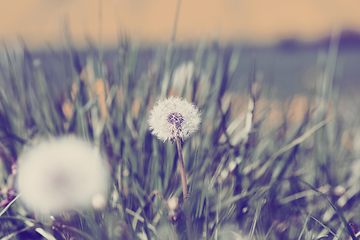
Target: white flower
[[62, 174], [174, 117]]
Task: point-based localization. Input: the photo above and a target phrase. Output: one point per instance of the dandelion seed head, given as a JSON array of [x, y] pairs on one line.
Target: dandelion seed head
[[60, 175], [173, 203], [176, 120], [98, 201], [174, 117]]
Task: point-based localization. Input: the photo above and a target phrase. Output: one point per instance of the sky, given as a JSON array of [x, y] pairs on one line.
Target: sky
[[41, 22]]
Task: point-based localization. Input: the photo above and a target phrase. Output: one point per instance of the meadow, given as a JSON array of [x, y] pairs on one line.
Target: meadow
[[259, 167]]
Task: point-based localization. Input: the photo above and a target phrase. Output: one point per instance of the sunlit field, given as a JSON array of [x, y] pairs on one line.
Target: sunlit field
[[80, 158]]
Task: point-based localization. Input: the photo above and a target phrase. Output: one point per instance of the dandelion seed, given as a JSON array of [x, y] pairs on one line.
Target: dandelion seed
[[61, 174], [174, 117]]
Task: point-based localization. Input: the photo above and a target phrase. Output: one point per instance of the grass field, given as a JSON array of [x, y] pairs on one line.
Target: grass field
[[258, 167]]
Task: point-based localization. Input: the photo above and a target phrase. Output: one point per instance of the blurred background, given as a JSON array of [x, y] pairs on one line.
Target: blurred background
[[41, 21], [284, 35]]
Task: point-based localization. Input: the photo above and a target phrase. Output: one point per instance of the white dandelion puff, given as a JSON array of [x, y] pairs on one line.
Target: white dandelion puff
[[60, 175], [174, 117]]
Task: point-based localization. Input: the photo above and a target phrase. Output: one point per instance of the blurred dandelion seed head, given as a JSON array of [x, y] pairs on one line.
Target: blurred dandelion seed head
[[173, 203], [98, 201], [174, 117], [61, 174]]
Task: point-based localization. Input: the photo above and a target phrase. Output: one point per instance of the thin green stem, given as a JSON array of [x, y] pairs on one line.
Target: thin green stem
[[10, 203], [184, 186], [218, 209], [339, 213]]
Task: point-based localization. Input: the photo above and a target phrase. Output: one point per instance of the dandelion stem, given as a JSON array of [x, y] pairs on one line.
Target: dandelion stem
[[184, 186], [182, 168]]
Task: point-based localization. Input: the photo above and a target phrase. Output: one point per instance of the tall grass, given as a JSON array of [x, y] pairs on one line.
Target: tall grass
[[250, 175]]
